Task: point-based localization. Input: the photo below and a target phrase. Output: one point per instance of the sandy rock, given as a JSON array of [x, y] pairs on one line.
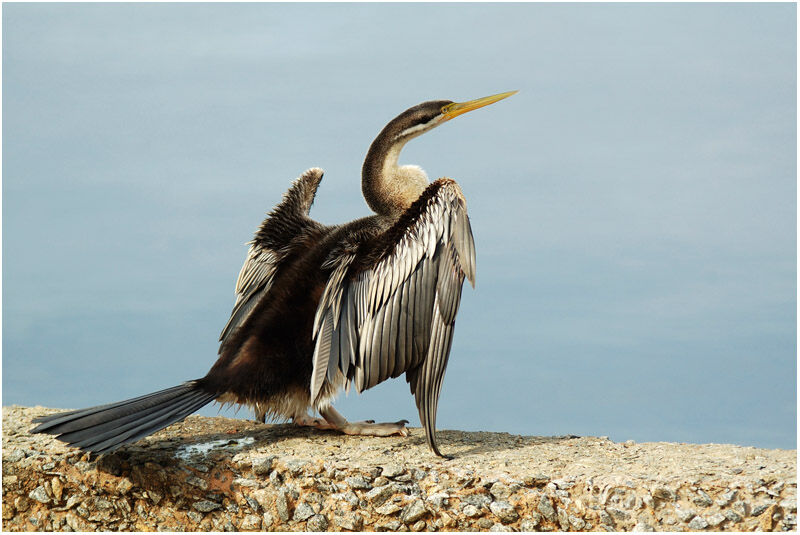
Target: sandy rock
[[241, 475]]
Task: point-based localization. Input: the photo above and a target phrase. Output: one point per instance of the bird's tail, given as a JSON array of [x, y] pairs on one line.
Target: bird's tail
[[106, 427]]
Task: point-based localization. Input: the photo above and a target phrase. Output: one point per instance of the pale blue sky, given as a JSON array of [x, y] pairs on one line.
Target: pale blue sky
[[633, 206]]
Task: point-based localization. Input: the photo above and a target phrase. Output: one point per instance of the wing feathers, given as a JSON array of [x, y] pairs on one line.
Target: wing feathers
[[269, 247], [395, 313]]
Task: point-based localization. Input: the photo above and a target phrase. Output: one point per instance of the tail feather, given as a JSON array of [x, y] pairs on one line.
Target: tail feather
[[115, 428], [106, 427]]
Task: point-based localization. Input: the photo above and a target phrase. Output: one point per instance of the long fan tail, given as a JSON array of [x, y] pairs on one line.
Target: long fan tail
[[106, 427]]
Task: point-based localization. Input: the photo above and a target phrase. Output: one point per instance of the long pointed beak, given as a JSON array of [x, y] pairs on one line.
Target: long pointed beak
[[457, 108]]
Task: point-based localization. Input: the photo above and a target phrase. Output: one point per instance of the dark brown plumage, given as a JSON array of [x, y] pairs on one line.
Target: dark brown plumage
[[320, 308]]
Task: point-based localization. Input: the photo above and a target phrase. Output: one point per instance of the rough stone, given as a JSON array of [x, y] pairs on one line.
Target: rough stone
[[388, 509], [204, 506], [392, 525], [485, 523], [470, 511], [39, 494], [262, 465], [302, 512], [418, 526], [702, 499], [282, 505], [413, 512], [504, 511], [716, 519], [378, 495], [546, 509], [698, 523], [358, 482], [392, 470], [685, 515], [317, 523], [251, 522], [725, 498], [352, 522]]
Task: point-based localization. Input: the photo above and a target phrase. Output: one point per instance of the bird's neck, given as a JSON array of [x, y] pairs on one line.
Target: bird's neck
[[389, 188]]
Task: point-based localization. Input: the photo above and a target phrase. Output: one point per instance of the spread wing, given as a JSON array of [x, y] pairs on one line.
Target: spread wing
[[390, 308], [283, 227]]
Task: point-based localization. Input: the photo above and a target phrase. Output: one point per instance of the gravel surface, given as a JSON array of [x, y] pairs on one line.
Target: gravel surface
[[235, 475]]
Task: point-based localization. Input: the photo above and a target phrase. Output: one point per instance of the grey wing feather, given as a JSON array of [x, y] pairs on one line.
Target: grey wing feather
[[270, 246], [401, 310]]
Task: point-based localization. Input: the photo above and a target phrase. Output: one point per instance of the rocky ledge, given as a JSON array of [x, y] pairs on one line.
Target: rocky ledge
[[228, 475]]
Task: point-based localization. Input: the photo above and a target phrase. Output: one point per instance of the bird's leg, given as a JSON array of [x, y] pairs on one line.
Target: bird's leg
[[304, 420], [336, 421]]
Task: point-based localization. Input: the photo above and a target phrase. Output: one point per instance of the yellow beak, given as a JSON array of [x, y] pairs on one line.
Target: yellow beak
[[457, 108]]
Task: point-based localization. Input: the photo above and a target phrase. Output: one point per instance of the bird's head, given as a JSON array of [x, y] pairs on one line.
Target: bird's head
[[389, 188], [423, 117]]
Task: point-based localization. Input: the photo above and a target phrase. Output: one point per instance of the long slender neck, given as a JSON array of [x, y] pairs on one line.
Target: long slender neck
[[390, 189]]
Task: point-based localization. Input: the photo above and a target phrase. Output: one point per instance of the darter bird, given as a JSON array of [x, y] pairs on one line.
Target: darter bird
[[320, 308]]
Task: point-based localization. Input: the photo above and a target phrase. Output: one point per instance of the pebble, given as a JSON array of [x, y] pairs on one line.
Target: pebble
[[618, 514], [716, 519], [664, 493], [317, 523], [378, 495], [470, 511], [726, 498], [124, 486], [358, 482], [732, 515], [392, 526], [204, 506], [643, 527], [528, 524], [194, 516], [262, 465], [58, 489], [16, 455], [685, 514], [742, 507], [500, 491], [789, 504], [251, 522], [702, 499], [758, 509], [267, 520], [392, 470], [478, 500], [350, 521], [282, 505], [418, 526], [698, 523], [500, 527], [302, 512], [577, 522], [388, 509], [546, 508], [438, 500], [413, 512], [197, 482], [504, 511], [39, 494]]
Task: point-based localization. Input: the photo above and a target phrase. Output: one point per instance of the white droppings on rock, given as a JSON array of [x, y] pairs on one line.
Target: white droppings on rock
[[191, 450]]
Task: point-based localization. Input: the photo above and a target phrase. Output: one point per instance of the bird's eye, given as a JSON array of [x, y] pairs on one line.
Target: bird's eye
[[445, 109]]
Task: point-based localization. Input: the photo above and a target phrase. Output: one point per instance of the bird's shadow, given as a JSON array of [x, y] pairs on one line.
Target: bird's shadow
[[176, 450]]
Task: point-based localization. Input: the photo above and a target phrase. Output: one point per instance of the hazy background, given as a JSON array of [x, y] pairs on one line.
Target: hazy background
[[633, 206]]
